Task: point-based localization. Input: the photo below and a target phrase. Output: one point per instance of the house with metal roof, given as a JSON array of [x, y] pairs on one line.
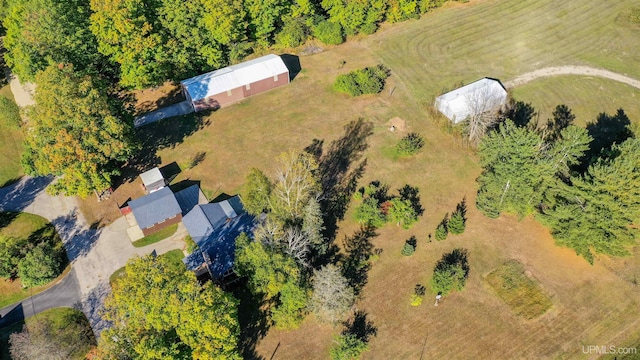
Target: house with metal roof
[[152, 180], [214, 228], [476, 98], [156, 211], [233, 83]]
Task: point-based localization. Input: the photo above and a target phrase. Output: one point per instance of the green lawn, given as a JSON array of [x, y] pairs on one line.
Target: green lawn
[[66, 324], [157, 236], [174, 256], [520, 292], [21, 226], [586, 96], [10, 147]]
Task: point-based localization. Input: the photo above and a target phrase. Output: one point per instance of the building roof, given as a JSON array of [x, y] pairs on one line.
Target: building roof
[[152, 178], [235, 76], [214, 228], [484, 94], [155, 208], [190, 197]]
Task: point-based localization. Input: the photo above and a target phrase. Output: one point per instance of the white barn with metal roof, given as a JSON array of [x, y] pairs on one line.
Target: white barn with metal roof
[[234, 83], [478, 97]]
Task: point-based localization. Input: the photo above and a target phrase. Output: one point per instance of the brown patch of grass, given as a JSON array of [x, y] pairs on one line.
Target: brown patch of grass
[[155, 98], [518, 290]]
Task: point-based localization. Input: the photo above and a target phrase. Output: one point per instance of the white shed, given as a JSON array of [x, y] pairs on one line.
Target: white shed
[[152, 180], [476, 98]]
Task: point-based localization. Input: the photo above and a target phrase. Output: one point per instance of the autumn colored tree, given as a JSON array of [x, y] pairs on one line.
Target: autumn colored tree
[[75, 131], [159, 310]]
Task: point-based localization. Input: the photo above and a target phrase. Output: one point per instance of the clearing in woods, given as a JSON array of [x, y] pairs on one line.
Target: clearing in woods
[[456, 44]]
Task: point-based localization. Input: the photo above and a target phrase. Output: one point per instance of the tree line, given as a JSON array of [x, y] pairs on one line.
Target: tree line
[[141, 43], [580, 182]]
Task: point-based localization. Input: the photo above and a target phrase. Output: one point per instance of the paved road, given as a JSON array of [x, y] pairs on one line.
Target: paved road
[[181, 108], [94, 254], [64, 294]]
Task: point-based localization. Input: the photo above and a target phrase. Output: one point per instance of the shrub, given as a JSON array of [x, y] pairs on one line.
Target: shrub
[[442, 230], [9, 113], [369, 213], [368, 28], [416, 300], [411, 144], [348, 346], [456, 224], [402, 212], [40, 265], [191, 245], [329, 33], [410, 246], [294, 33], [450, 272], [369, 80], [408, 249]]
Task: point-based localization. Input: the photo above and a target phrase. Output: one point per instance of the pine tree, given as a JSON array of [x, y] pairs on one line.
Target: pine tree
[[456, 224], [443, 230]]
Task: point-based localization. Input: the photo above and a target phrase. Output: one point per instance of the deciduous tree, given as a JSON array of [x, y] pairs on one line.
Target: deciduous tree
[[296, 183], [256, 192], [332, 296], [402, 212], [159, 310], [75, 131]]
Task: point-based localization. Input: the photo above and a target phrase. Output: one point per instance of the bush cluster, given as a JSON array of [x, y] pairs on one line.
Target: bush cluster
[[329, 33], [377, 207], [409, 145], [369, 80]]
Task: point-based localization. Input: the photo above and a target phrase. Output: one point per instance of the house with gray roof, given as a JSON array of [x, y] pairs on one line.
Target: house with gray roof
[[214, 228], [156, 210]]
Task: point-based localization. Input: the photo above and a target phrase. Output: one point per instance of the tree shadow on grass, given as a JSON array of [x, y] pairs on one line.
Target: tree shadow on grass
[[412, 194], [356, 265], [338, 177], [157, 136], [606, 131], [359, 326], [252, 318], [7, 218]]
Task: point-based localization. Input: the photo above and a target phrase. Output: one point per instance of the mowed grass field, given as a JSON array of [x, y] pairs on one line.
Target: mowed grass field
[[456, 44], [10, 147]]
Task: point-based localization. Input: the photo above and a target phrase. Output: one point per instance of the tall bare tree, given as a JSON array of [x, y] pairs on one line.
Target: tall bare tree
[[483, 105], [296, 183]]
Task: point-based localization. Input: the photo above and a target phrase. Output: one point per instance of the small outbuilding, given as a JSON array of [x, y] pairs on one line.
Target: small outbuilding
[[233, 83], [479, 97], [156, 211], [152, 180]]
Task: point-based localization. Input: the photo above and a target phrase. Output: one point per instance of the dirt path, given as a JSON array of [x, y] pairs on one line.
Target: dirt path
[[22, 93], [571, 70]]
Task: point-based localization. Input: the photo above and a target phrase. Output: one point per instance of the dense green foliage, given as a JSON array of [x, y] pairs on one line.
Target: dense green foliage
[[369, 80], [520, 166], [41, 264], [256, 192], [76, 131], [450, 272], [291, 310], [144, 43], [369, 213], [409, 247], [45, 32], [457, 223], [402, 212], [328, 32], [597, 213], [442, 230], [348, 347], [410, 144], [159, 310], [36, 258], [9, 113], [581, 183]]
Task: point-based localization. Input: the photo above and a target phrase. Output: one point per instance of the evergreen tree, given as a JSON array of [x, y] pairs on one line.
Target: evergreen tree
[[402, 212], [450, 272], [442, 230], [456, 224], [597, 213]]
